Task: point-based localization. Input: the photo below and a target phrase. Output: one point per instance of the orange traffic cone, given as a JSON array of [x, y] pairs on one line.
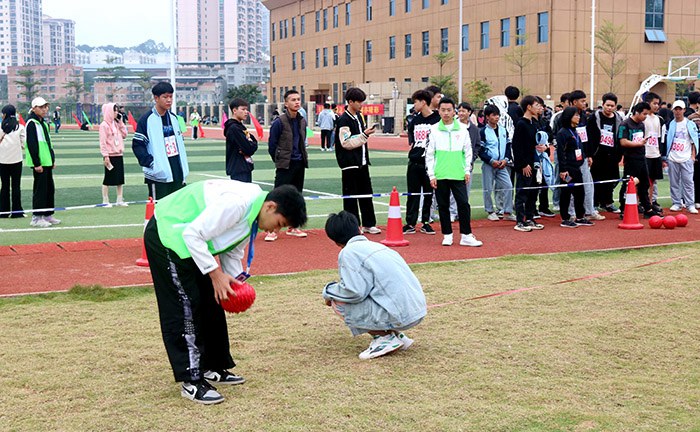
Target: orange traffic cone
[[394, 229], [631, 218], [150, 207]]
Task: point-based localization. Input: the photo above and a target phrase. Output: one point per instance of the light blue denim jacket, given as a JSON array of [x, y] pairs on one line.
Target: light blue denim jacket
[[379, 289]]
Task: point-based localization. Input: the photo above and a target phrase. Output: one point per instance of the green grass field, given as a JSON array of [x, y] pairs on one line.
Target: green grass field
[[613, 353], [79, 173]]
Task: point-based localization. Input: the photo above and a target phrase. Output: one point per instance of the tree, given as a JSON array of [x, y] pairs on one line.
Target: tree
[[445, 82], [520, 57], [145, 83], [248, 92], [611, 40], [477, 91], [75, 90], [29, 83]]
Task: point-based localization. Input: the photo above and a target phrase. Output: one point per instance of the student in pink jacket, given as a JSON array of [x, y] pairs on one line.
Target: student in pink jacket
[[112, 134]]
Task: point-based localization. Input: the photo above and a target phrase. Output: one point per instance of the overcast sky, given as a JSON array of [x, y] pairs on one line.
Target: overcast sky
[[122, 23]]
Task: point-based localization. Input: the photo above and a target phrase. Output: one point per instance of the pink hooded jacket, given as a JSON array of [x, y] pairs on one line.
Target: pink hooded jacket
[[112, 133]]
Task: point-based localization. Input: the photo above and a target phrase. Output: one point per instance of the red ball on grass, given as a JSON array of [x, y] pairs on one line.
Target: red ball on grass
[[244, 298]]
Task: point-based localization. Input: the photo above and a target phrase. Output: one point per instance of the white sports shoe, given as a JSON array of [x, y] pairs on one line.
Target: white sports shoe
[[40, 223], [106, 205], [407, 341], [371, 230], [447, 240], [676, 208], [493, 217], [380, 346], [692, 210], [470, 240], [201, 392], [52, 220]]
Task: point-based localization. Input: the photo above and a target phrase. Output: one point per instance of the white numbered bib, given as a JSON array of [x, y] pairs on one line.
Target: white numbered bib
[[638, 137], [171, 146], [678, 145], [653, 140], [607, 139], [582, 134], [579, 154]]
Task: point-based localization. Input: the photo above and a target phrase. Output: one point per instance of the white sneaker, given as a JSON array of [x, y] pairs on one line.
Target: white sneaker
[[34, 220], [407, 341], [41, 223], [201, 392], [692, 210], [447, 240], [596, 216], [106, 205], [371, 230], [493, 217], [52, 220], [271, 236], [511, 217], [296, 232], [470, 240], [697, 205], [121, 204], [380, 346], [676, 208]]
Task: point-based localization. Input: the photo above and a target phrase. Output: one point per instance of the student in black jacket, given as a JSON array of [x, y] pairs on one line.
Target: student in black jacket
[[571, 156], [241, 145]]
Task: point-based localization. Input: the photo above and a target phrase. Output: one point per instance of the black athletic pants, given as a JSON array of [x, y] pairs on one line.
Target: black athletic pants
[[294, 175], [192, 323], [604, 168], [44, 191], [637, 168], [567, 192], [356, 181], [11, 178], [442, 195], [326, 138], [417, 181], [525, 199]]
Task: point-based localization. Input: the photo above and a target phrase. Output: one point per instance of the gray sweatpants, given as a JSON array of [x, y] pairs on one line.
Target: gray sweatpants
[[680, 175], [588, 190]]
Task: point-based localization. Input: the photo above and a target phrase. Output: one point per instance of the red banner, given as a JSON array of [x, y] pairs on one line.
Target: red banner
[[369, 109]]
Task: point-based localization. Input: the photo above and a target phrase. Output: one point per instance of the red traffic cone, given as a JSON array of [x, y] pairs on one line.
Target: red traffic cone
[[150, 207], [394, 229], [631, 218]]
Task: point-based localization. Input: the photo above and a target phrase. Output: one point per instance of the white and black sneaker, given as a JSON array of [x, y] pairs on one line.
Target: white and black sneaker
[[223, 377], [201, 392]]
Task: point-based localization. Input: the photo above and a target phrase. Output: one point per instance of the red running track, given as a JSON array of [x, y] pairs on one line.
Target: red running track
[[60, 266]]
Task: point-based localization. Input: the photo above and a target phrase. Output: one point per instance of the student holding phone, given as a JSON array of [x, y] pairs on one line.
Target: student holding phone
[[352, 154]]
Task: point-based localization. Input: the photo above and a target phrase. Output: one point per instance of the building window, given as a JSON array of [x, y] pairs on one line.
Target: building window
[[543, 27], [443, 2], [347, 14], [273, 31], [335, 91], [520, 30], [444, 40], [347, 54], [465, 37], [407, 80], [281, 29], [318, 58], [303, 60], [484, 34], [325, 19], [407, 46], [654, 21], [274, 64], [302, 25], [318, 21], [335, 55], [392, 7], [335, 16], [368, 51], [505, 32], [274, 94], [424, 79], [294, 26], [369, 10], [408, 5], [325, 56], [426, 43], [426, 4], [286, 28], [392, 47], [294, 61]]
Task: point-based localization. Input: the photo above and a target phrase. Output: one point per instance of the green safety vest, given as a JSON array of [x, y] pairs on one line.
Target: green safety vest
[[175, 212], [44, 146]]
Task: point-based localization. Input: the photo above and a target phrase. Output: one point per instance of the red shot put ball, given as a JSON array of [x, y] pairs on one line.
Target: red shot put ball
[[681, 220], [245, 296], [655, 222], [670, 222]]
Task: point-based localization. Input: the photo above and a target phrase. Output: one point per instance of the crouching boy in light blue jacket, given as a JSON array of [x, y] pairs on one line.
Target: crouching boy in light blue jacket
[[377, 293]]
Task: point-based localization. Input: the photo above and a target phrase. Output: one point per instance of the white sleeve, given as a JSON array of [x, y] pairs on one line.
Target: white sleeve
[[430, 156], [231, 261], [212, 222]]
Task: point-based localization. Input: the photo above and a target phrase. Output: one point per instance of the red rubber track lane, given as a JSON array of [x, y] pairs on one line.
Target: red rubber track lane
[[111, 263]]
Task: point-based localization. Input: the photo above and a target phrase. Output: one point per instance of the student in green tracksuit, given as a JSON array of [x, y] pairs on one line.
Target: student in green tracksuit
[[190, 227]]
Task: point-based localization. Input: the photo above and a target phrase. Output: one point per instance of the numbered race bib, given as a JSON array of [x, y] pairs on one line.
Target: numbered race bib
[[579, 154], [607, 139], [653, 140], [582, 134], [638, 137], [171, 146], [678, 145]]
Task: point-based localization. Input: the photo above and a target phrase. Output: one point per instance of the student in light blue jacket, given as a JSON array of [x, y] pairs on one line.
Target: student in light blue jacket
[[377, 293]]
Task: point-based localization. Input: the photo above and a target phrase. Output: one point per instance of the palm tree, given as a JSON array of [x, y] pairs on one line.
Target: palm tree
[[29, 84]]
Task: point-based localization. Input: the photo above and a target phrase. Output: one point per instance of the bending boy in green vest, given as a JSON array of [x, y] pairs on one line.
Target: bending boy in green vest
[[190, 227]]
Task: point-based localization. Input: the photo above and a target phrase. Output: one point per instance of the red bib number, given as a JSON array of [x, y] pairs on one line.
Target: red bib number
[[171, 146]]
